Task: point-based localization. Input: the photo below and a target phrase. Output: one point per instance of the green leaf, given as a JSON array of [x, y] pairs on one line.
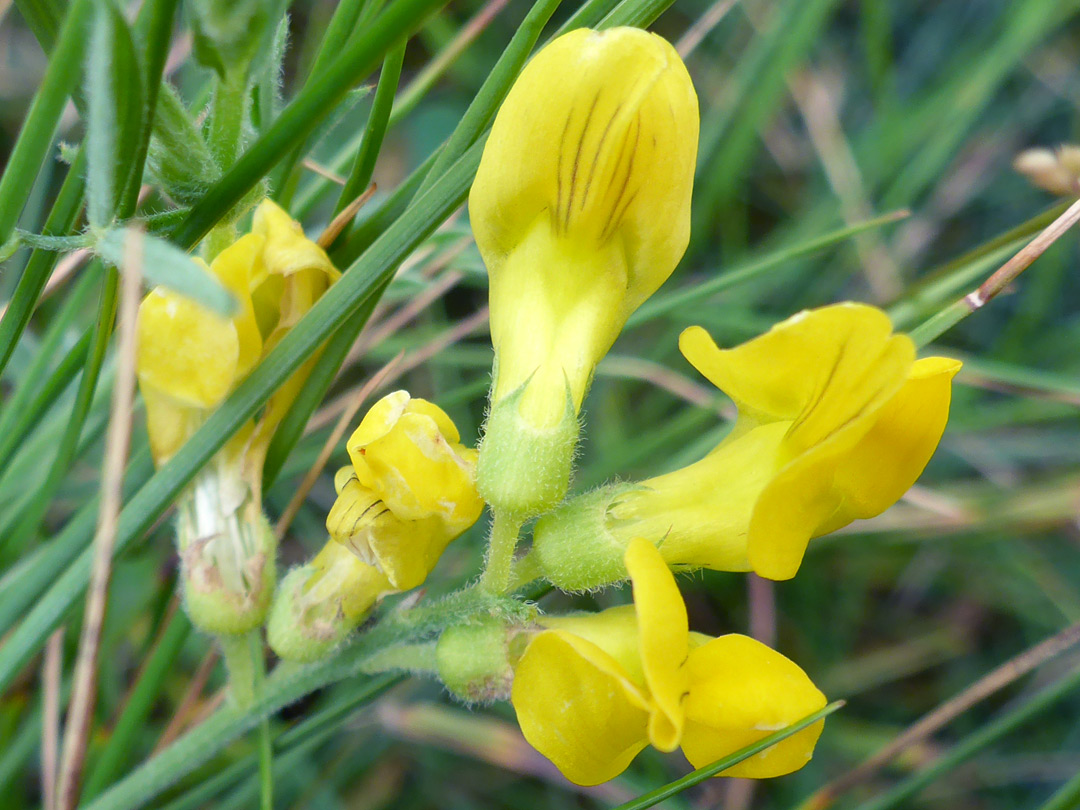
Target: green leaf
[[167, 265], [298, 119], [35, 138], [114, 109]]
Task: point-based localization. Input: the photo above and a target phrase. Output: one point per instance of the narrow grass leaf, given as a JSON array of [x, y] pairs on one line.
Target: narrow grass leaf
[[170, 267]]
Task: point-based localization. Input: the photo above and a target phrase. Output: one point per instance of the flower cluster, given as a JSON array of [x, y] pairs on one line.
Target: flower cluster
[[408, 493], [189, 359], [581, 210]]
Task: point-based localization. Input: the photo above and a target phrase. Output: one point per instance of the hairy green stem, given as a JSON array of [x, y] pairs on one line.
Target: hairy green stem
[[243, 656], [500, 556]]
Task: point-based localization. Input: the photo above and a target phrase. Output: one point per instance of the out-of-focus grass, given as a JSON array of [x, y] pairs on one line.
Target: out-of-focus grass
[[817, 114]]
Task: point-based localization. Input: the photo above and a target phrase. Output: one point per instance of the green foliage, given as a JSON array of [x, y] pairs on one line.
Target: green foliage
[[820, 120]]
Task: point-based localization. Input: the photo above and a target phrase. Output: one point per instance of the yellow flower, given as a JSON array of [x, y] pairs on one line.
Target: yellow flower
[[581, 210], [837, 419], [190, 359], [591, 691], [409, 492]]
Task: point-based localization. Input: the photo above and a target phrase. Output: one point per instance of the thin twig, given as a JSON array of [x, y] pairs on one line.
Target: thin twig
[[1010, 271], [344, 217], [949, 710], [761, 596], [342, 425], [466, 327], [322, 171], [191, 696], [50, 716], [702, 26], [638, 368], [382, 326], [117, 441]]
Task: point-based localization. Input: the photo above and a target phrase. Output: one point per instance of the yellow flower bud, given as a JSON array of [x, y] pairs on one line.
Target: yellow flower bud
[[409, 492], [592, 690], [836, 422], [319, 604], [581, 210]]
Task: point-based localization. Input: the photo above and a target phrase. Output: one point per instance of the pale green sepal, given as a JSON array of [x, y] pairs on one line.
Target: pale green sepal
[[475, 660], [575, 547], [524, 470]]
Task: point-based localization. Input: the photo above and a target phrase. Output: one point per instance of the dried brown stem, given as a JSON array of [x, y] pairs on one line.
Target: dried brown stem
[[50, 716], [466, 327], [191, 696], [117, 441], [946, 713]]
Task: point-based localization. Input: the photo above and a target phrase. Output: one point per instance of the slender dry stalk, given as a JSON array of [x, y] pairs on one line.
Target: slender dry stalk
[[344, 217], [819, 107], [50, 716], [1008, 272], [370, 387], [327, 414], [322, 171], [446, 57], [990, 683], [117, 441], [693, 35], [194, 691], [638, 368], [382, 326], [738, 794]]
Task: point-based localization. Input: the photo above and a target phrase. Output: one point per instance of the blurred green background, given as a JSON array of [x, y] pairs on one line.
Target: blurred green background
[[816, 115]]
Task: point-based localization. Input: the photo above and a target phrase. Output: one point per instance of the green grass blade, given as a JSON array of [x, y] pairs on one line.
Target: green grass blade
[[104, 770], [61, 220], [729, 131], [1066, 798], [24, 584], [301, 116], [481, 110], [30, 519], [972, 744], [374, 268], [35, 138], [311, 731], [667, 302], [375, 129], [701, 774]]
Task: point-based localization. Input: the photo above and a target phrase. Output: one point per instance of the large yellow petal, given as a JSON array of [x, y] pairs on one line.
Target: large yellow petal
[[235, 267], [876, 472], [740, 692], [663, 639], [615, 631], [576, 706], [609, 154], [185, 350], [820, 369]]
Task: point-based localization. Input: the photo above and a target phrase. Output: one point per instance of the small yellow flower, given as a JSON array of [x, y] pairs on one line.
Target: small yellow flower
[[591, 691], [837, 419], [581, 205], [190, 358], [581, 210], [409, 492]]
